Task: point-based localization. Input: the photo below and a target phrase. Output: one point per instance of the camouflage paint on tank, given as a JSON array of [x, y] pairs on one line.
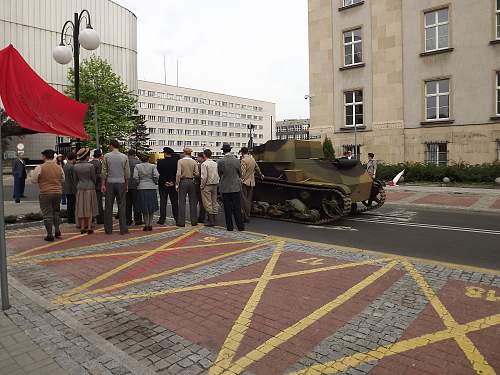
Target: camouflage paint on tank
[[302, 162]]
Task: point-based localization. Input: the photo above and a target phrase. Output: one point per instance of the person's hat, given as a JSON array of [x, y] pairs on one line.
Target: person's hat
[[82, 153], [168, 150], [226, 147]]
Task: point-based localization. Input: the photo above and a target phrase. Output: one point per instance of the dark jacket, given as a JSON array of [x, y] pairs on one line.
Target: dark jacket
[[69, 185], [98, 170], [230, 173], [85, 177], [19, 169], [133, 161], [167, 168]]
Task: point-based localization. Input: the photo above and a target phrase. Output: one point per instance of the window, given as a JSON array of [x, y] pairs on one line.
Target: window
[[151, 130], [178, 109], [143, 105], [351, 2], [498, 90], [437, 153], [161, 118], [179, 143], [171, 131], [161, 130], [187, 110], [151, 93], [162, 142], [179, 131], [179, 120], [151, 105], [187, 132], [151, 118], [170, 120], [437, 100], [353, 51], [170, 108], [436, 30], [170, 143], [498, 19], [353, 108], [152, 142]]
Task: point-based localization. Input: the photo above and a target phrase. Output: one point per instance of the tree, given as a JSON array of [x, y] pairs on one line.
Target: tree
[[103, 89], [139, 141], [328, 150]]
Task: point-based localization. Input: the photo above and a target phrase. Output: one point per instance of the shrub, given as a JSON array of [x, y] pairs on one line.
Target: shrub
[[328, 149], [33, 216], [10, 219], [485, 173]]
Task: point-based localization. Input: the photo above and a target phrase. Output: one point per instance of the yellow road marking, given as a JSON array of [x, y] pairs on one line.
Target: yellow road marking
[[25, 258], [107, 255], [110, 273], [477, 360], [345, 363], [241, 325], [220, 284]]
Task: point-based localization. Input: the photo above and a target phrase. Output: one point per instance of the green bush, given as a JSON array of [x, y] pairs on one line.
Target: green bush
[[415, 172]]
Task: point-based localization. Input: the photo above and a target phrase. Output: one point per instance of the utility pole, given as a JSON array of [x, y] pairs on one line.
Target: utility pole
[[4, 284]]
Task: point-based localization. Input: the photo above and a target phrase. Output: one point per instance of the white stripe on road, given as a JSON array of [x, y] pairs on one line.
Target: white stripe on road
[[427, 226]]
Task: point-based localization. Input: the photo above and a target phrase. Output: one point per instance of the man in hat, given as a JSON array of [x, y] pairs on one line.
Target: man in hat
[[19, 173], [167, 168], [69, 187], [50, 178], [249, 169], [187, 171], [230, 187], [114, 184], [97, 163]]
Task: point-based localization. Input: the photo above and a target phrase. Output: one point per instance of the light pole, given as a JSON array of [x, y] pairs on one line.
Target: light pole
[[250, 127], [65, 51]]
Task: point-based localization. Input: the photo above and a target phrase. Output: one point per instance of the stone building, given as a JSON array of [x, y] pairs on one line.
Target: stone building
[[418, 80], [292, 129]]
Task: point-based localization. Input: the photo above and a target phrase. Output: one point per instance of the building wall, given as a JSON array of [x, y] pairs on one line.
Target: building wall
[[34, 27], [292, 129], [260, 113], [393, 80]]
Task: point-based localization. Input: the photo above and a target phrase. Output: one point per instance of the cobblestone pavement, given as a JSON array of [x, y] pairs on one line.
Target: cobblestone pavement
[[203, 300]]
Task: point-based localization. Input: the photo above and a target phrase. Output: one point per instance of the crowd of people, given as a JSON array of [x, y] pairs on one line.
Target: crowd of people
[[135, 183]]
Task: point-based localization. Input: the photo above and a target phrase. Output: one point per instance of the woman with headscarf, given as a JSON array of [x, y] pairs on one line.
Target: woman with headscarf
[[147, 176], [86, 198]]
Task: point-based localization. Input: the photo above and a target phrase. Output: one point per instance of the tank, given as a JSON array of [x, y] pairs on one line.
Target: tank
[[300, 185]]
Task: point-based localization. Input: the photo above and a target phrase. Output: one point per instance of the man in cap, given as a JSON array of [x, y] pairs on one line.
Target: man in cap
[[167, 168], [187, 171], [230, 187]]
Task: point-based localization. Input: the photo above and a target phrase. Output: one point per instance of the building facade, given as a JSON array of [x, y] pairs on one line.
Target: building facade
[[179, 117], [292, 129], [407, 80], [34, 28]]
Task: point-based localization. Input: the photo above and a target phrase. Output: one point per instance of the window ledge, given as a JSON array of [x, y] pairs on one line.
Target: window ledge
[[496, 41], [495, 118], [437, 52], [353, 66], [351, 128], [351, 6], [437, 122]]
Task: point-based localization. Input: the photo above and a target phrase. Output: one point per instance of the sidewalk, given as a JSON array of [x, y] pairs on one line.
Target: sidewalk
[[472, 199]]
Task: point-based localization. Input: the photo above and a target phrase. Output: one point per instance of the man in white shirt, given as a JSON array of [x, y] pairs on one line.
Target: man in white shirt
[[208, 186]]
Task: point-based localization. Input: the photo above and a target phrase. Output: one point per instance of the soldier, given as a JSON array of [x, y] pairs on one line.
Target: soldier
[[209, 183], [371, 166]]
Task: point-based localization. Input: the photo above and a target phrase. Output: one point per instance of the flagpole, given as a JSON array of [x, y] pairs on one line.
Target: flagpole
[[4, 284]]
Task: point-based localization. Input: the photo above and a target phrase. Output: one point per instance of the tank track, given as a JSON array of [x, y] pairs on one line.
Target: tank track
[[346, 201], [380, 190]]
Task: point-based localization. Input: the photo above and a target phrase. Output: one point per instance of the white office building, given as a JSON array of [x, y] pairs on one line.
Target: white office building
[[34, 28], [180, 117]]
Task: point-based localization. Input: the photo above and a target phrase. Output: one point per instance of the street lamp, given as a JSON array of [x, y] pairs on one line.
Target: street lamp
[[88, 38], [250, 127]]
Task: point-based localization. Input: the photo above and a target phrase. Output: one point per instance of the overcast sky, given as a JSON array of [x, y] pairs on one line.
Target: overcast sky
[[251, 48]]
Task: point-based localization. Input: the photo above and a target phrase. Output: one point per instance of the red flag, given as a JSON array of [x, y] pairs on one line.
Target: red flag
[[33, 103]]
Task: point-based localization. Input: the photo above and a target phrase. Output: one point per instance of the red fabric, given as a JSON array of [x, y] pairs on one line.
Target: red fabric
[[33, 103]]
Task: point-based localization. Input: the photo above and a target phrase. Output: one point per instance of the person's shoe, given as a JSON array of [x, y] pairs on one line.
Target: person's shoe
[[108, 232], [242, 229], [160, 222], [211, 221], [150, 229], [230, 229], [18, 201], [124, 232], [90, 231], [49, 238], [145, 229], [58, 235], [23, 196], [180, 225], [83, 231]]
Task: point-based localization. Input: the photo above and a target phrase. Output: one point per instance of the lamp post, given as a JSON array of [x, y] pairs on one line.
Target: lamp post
[[250, 127], [88, 38]]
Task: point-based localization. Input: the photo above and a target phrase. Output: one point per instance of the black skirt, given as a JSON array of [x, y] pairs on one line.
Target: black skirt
[[147, 201]]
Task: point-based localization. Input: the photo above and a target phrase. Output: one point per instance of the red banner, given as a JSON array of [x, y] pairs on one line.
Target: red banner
[[33, 103]]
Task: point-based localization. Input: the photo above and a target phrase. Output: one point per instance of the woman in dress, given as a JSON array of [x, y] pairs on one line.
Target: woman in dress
[[146, 175], [86, 197]]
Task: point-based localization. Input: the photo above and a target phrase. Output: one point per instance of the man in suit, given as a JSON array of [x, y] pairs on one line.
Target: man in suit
[[19, 173], [230, 187], [167, 168], [133, 160], [97, 163], [249, 169]]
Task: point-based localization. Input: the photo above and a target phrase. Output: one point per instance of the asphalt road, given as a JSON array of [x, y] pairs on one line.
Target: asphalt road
[[460, 237]]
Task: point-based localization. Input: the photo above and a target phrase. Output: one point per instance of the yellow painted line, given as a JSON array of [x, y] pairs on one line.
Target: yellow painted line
[[477, 360], [241, 325], [220, 284], [25, 259], [107, 255], [43, 247], [345, 363], [124, 266], [386, 255], [285, 335]]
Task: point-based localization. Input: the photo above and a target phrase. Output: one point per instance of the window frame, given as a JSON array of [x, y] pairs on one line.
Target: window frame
[[352, 3], [438, 95], [497, 93], [438, 153], [496, 5], [352, 45], [354, 104], [436, 26]]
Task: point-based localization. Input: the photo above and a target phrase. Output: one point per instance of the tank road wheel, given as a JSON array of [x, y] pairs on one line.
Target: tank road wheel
[[335, 205], [377, 197]]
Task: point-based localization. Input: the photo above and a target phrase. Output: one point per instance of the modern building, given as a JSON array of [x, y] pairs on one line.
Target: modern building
[[409, 80], [292, 129], [180, 117], [34, 28]]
